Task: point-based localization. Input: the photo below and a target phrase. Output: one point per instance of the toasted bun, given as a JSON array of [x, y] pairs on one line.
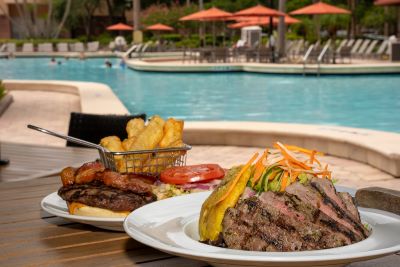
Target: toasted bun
[[84, 210]]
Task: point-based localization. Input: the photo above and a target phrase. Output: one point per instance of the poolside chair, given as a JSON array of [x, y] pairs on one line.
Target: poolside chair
[[350, 42], [2, 48], [356, 46], [342, 44], [11, 47], [93, 46], [264, 54], [93, 127], [371, 47], [62, 47], [27, 48], [345, 52], [45, 47], [363, 47], [381, 50], [77, 47]]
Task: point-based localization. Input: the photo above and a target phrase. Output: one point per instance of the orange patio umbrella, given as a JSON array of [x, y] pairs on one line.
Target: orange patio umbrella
[[320, 8], [160, 27], [157, 28], [120, 27], [262, 21], [259, 11], [213, 14], [387, 2]]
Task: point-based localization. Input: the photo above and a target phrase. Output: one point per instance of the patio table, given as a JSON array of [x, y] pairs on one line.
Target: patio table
[[32, 237]]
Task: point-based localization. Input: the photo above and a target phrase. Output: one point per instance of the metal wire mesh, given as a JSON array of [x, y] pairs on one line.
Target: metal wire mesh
[[151, 162]]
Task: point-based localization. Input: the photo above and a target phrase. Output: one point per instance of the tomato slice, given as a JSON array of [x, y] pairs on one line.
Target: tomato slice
[[192, 174]]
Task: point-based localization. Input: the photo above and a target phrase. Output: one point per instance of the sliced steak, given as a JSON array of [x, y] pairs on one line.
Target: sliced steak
[[102, 196], [302, 218], [330, 196], [328, 214], [350, 204]]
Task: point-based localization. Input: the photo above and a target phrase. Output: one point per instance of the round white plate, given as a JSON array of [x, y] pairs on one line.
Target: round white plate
[[171, 226], [55, 205]]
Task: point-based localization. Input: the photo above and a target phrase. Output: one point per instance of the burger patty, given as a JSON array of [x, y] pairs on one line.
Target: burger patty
[[105, 197]]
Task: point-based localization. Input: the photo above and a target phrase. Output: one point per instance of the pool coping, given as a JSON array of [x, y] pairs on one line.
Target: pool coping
[[371, 68], [376, 148], [95, 98]]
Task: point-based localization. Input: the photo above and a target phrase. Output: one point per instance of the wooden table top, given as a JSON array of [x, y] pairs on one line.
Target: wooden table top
[[32, 237]]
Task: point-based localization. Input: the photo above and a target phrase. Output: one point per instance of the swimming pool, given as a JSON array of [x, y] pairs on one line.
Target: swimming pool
[[356, 101]]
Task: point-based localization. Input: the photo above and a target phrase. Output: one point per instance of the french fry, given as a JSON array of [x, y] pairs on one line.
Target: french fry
[[148, 139], [134, 127], [113, 143], [173, 133]]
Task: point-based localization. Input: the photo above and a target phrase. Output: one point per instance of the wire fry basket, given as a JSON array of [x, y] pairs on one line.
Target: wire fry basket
[[151, 162]]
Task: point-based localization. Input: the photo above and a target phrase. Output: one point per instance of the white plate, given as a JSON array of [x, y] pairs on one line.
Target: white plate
[[171, 226], [55, 205]]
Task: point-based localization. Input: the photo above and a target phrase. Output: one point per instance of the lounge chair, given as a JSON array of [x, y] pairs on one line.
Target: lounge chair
[[345, 52], [93, 46], [62, 47], [356, 46], [341, 45], [93, 127], [2, 48], [350, 42], [45, 47], [77, 47], [371, 47], [381, 50], [360, 52], [27, 47], [11, 47]]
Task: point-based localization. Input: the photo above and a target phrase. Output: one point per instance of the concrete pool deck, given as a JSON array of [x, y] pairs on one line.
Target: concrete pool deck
[[358, 67], [364, 157]]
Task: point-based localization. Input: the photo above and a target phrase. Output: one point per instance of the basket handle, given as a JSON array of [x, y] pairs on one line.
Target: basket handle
[[68, 138]]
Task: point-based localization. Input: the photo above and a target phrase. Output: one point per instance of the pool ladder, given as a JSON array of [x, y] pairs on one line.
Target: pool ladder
[[319, 59]]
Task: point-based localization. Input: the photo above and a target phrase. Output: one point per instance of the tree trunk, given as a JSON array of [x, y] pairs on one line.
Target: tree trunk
[[48, 24], [23, 19], [281, 29], [64, 18], [187, 2]]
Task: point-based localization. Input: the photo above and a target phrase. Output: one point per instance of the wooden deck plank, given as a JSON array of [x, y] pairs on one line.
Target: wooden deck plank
[[27, 160], [32, 237]]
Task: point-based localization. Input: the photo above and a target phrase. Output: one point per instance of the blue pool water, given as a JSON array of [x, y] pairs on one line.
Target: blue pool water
[[357, 101]]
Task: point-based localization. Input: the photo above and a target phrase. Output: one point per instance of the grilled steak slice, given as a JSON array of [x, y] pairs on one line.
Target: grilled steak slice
[[328, 214], [106, 197], [272, 222], [350, 204], [330, 196], [305, 217]]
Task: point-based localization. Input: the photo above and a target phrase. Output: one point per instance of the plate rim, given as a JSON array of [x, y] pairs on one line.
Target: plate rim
[[45, 201], [218, 257]]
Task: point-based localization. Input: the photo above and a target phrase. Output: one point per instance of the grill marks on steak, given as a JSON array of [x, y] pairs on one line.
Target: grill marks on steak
[[106, 197], [300, 219]]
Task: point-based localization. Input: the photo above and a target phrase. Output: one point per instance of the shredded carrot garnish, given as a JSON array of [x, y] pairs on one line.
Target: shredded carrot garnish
[[284, 182], [303, 150], [242, 171], [286, 153], [259, 168]]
